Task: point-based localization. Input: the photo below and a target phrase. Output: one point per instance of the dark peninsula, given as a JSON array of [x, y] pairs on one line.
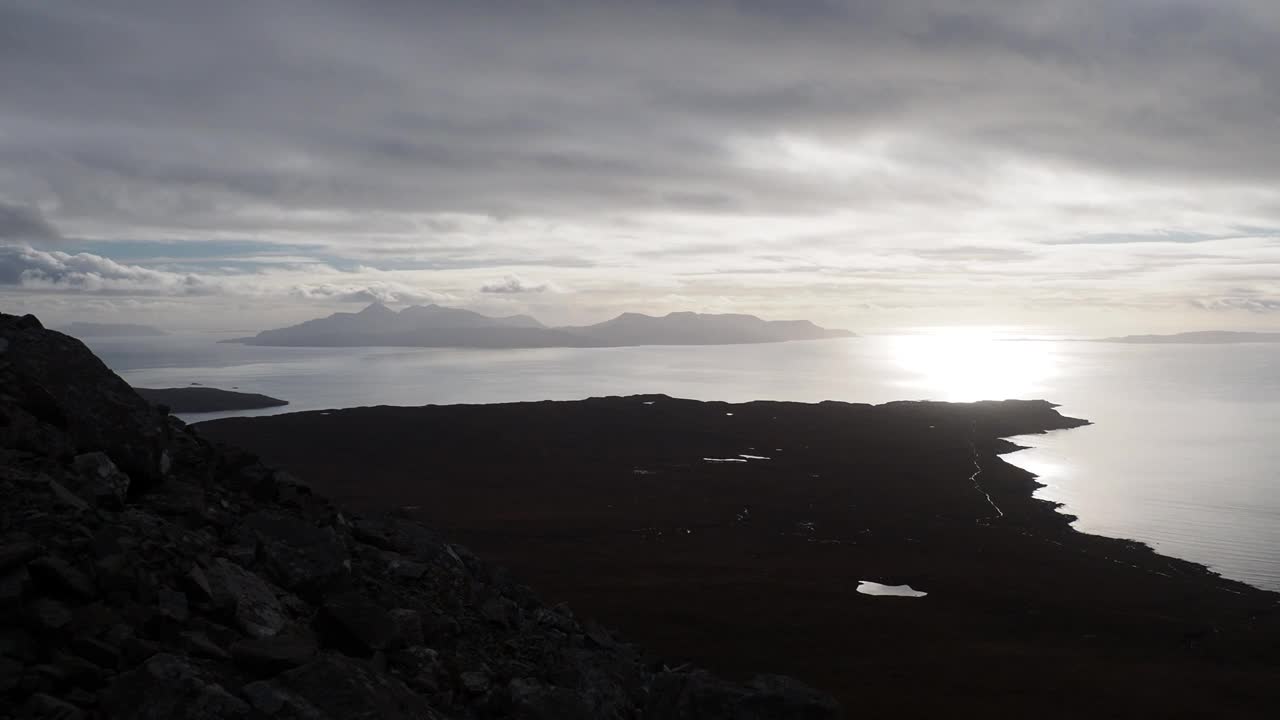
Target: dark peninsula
[[736, 536], [436, 326], [207, 399]]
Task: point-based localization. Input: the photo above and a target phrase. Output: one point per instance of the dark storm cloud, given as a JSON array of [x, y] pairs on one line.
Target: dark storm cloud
[[396, 148], [139, 110], [25, 224]]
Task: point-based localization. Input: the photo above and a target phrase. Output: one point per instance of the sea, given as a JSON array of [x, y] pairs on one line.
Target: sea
[[1183, 453]]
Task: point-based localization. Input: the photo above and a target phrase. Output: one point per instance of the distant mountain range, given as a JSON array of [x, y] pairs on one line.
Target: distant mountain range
[[1204, 337], [436, 326], [88, 329]]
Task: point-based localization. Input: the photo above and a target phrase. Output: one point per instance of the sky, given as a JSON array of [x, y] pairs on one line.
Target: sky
[[1077, 167]]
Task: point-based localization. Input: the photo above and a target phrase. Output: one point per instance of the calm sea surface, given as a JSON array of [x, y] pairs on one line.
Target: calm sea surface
[[1184, 453]]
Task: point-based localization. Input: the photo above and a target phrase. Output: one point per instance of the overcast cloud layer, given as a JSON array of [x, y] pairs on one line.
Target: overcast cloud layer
[[1065, 166]]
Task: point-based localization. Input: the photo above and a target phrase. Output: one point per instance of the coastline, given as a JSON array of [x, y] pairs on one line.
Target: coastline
[[553, 490]]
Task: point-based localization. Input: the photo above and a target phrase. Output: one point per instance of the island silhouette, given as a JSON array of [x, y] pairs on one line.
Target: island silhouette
[[438, 326]]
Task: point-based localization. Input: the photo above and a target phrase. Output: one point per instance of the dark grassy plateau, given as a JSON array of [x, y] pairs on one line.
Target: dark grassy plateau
[[753, 566]]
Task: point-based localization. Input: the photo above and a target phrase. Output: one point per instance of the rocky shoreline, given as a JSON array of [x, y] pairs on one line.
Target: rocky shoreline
[[145, 573]]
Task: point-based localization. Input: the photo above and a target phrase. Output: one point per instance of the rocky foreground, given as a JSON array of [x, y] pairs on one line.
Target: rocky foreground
[[146, 574]]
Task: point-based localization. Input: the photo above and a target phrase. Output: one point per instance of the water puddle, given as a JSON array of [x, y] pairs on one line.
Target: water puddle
[[866, 587]]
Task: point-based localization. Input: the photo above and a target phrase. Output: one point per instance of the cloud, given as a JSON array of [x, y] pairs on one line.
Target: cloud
[[384, 292], [514, 284], [1249, 304], [25, 224], [1034, 148], [54, 271]]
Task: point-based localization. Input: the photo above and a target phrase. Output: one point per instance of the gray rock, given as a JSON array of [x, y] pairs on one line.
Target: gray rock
[[405, 537], [268, 656], [340, 688], [48, 614], [249, 598], [298, 555], [420, 666], [99, 480], [13, 586], [10, 674], [172, 605], [97, 651], [405, 570], [59, 575], [475, 682], [115, 572], [66, 497], [199, 584], [199, 645], [167, 686], [534, 700], [501, 611], [46, 707], [265, 697], [408, 627], [356, 625], [18, 553]]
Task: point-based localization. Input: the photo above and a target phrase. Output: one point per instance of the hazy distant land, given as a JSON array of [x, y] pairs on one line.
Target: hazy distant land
[[207, 399], [436, 326], [1204, 337], [91, 329]]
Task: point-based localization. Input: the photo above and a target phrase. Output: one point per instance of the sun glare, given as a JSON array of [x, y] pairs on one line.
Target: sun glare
[[966, 364]]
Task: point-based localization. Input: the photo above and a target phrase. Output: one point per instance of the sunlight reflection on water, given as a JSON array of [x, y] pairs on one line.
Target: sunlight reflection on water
[[966, 364]]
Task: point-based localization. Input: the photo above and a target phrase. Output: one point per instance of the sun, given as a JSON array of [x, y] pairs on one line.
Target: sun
[[967, 364]]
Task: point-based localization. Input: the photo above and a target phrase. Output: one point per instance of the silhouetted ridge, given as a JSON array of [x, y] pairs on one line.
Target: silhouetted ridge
[[145, 573], [437, 326]]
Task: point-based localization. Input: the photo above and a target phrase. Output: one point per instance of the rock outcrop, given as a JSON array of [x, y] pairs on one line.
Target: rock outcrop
[[147, 574]]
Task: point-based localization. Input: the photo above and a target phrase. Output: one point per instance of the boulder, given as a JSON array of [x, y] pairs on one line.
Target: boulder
[[59, 575], [46, 707], [18, 553], [265, 657], [408, 627], [247, 597], [535, 700], [167, 686], [334, 687], [421, 667], [99, 481], [356, 625], [297, 554], [399, 535]]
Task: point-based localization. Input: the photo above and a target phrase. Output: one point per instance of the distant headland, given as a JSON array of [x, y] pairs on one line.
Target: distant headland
[[436, 326], [207, 399], [1204, 337]]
